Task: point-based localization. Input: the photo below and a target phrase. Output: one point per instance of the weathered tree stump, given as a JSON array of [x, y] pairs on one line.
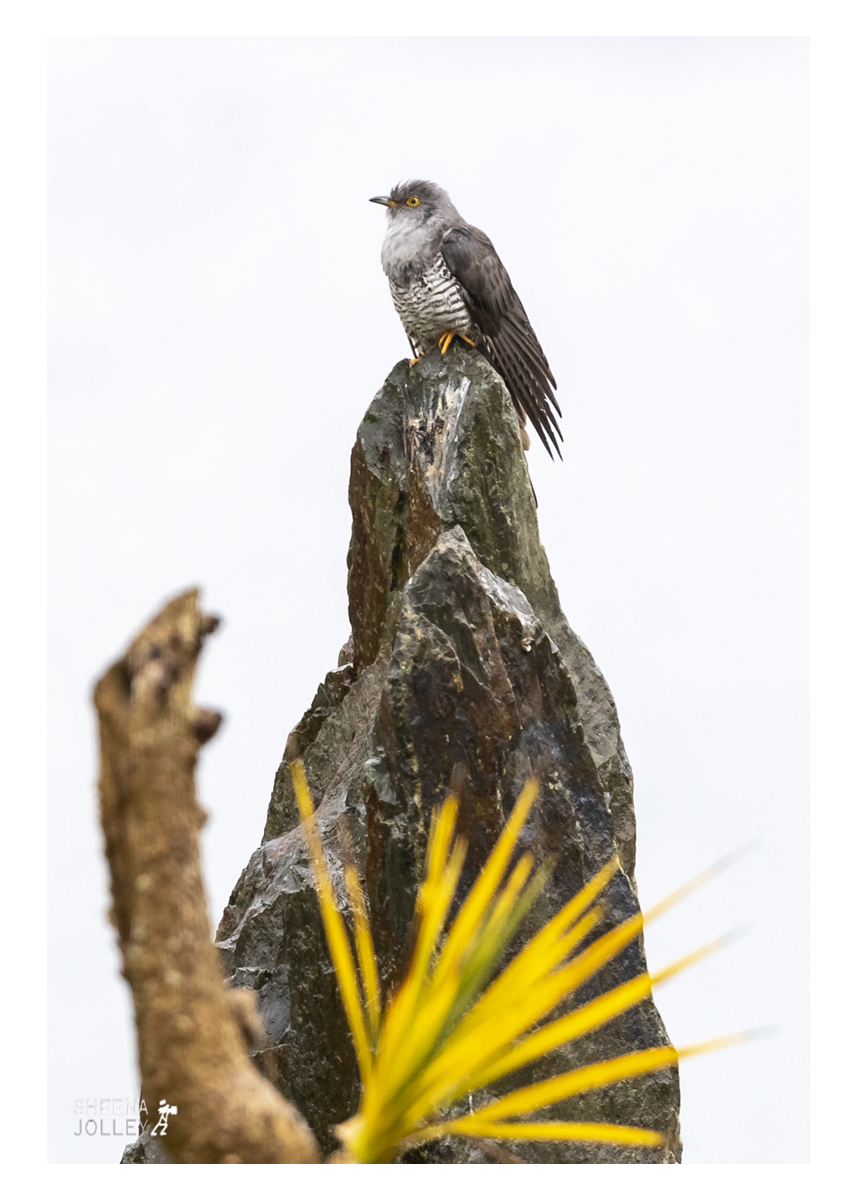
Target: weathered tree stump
[[193, 1035]]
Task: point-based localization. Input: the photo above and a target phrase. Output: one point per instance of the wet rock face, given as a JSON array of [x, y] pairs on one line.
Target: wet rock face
[[465, 673]]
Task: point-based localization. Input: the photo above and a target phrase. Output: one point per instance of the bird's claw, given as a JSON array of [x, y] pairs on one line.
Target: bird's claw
[[448, 338]]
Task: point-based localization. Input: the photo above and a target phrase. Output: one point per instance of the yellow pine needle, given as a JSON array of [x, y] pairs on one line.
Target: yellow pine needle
[[540, 995], [500, 925], [495, 928], [417, 1038], [436, 904], [385, 1115], [443, 996], [560, 1131], [472, 910], [560, 1087], [425, 1057], [414, 1018], [504, 904], [566, 1029], [523, 1008], [542, 999], [538, 970], [409, 1036], [475, 1046], [440, 839], [657, 910], [560, 925], [537, 960], [365, 952], [516, 996], [437, 892], [605, 948], [718, 1043], [334, 926], [392, 1063], [585, 1019], [483, 1122], [577, 905], [533, 960]]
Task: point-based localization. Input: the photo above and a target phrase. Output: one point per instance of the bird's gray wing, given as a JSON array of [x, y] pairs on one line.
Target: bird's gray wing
[[508, 340]]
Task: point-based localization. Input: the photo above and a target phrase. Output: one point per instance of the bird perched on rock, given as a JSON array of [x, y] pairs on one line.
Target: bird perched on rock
[[447, 281]]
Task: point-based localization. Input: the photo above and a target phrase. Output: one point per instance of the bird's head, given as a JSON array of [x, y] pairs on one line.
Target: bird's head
[[415, 201]]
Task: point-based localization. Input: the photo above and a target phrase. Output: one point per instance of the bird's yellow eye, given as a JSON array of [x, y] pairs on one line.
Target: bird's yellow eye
[[412, 201]]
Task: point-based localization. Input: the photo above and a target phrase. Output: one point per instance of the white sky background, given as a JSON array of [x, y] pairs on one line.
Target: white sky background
[[219, 322]]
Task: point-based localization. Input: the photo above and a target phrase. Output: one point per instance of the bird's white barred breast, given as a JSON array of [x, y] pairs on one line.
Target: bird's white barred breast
[[430, 305]]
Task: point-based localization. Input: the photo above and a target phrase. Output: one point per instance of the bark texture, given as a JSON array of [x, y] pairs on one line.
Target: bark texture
[[193, 1035], [461, 672]]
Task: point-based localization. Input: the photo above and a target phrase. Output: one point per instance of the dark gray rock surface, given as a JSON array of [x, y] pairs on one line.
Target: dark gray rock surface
[[146, 1151], [463, 670]]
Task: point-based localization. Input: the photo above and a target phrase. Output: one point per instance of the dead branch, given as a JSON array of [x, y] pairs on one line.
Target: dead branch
[[191, 1036]]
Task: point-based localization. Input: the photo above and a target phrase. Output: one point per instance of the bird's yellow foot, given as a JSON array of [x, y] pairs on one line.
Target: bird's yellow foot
[[414, 361], [448, 338]]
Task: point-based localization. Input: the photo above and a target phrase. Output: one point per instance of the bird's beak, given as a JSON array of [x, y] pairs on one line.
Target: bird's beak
[[390, 203]]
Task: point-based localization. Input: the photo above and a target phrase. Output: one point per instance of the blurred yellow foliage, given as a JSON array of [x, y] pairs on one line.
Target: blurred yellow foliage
[[453, 1027]]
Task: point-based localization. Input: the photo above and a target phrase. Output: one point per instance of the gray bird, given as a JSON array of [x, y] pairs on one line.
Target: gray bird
[[447, 281]]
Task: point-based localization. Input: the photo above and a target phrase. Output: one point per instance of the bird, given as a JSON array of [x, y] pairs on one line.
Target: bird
[[447, 281]]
